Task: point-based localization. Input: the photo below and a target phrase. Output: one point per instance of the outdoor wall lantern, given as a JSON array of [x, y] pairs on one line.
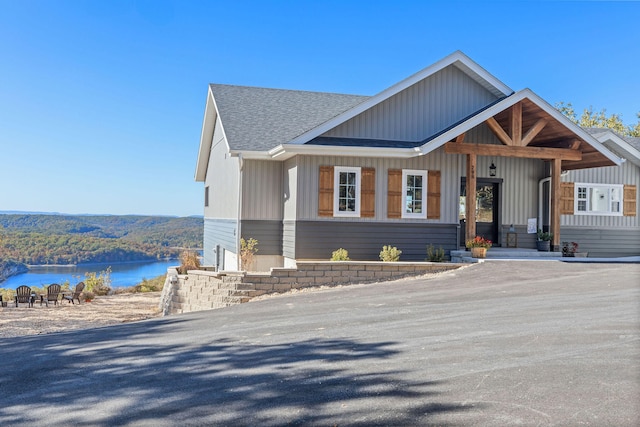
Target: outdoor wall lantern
[[492, 170]]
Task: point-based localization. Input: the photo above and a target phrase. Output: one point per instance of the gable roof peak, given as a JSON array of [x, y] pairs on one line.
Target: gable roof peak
[[456, 59]]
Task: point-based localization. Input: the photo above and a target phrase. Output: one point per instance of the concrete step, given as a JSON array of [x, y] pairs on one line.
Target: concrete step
[[505, 254]]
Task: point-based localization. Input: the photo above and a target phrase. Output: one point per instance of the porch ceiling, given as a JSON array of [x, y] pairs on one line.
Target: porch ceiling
[[554, 134]]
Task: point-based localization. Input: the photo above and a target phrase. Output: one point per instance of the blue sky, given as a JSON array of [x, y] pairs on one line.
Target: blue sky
[[101, 102]]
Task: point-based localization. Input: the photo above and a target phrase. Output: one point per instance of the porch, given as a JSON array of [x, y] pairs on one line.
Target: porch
[[495, 253]]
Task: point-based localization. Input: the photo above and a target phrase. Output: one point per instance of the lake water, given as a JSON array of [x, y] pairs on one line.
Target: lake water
[[122, 274]]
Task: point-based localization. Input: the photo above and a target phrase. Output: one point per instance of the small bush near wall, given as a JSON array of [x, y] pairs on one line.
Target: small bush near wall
[[390, 254], [188, 261], [248, 249], [340, 255], [435, 255]]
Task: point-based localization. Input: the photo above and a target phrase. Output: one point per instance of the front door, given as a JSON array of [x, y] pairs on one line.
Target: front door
[[487, 209]]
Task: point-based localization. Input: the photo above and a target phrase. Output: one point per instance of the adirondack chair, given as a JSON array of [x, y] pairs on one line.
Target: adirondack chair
[[75, 294], [23, 295], [53, 291]]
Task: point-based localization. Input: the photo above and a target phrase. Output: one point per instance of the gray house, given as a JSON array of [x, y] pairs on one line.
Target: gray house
[[306, 173]]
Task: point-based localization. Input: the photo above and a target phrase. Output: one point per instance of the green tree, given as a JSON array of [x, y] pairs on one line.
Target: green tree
[[599, 119], [635, 130]]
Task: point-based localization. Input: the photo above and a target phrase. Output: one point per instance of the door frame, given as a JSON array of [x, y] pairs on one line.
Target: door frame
[[497, 228]]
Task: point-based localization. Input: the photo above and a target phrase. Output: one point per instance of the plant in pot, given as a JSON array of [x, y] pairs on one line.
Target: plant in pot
[[478, 246], [544, 241]]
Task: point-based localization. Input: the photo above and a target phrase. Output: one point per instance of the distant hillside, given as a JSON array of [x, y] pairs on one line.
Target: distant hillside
[[75, 239]]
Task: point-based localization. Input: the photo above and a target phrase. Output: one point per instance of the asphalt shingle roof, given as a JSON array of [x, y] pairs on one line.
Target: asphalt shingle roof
[[633, 141], [260, 119]]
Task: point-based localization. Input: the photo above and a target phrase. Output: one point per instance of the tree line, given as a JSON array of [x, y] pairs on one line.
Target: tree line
[[74, 239]]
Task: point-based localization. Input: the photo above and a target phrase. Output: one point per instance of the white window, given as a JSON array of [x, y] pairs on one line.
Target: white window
[[414, 190], [346, 199], [598, 199]]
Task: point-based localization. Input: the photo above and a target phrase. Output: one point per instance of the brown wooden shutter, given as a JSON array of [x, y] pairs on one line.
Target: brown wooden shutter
[[567, 191], [368, 193], [394, 193], [325, 191], [433, 195], [629, 200]]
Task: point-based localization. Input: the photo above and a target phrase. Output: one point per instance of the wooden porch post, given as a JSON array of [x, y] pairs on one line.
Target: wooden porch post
[[471, 196], [556, 170]]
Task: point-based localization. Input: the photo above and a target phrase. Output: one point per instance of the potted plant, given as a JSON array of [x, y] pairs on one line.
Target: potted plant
[[570, 249], [544, 241], [478, 246]]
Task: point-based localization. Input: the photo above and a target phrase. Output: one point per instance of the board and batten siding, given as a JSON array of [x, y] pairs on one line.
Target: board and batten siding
[[262, 192], [420, 110], [308, 174], [222, 179], [627, 173], [519, 188]]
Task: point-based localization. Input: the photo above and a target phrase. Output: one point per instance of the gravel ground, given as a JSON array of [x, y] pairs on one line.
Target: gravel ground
[[102, 311]]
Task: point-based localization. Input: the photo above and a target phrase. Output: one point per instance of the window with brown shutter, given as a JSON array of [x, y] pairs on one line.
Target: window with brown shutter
[[433, 195], [630, 207], [394, 193], [325, 191], [368, 193], [566, 198]]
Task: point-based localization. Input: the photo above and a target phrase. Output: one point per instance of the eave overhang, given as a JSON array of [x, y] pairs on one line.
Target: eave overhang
[[619, 145], [211, 115], [286, 151]]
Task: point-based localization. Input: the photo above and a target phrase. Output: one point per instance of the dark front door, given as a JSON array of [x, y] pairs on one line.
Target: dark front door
[[487, 209]]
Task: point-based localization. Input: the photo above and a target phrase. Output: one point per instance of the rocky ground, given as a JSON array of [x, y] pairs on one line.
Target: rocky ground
[[102, 311]]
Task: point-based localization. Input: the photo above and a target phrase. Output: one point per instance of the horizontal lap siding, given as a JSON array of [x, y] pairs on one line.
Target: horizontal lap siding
[[604, 242], [267, 233], [364, 241], [218, 232], [289, 239]]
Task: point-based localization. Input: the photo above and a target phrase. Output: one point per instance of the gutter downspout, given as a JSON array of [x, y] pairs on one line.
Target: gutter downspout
[[541, 201], [239, 224]]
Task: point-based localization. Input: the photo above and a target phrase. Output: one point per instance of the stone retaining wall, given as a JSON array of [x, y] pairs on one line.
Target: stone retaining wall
[[204, 290]]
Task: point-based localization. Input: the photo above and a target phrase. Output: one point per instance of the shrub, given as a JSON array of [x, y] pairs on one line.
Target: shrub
[[147, 285], [88, 296], [435, 255], [189, 260], [152, 285], [390, 254], [98, 284], [7, 294], [340, 255], [248, 249]]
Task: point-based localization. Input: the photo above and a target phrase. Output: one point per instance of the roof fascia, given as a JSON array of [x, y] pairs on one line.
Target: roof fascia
[[211, 114], [508, 102], [286, 151], [620, 144], [462, 61]]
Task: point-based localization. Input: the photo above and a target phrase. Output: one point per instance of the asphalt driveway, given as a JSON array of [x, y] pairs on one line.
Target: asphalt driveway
[[500, 343]]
